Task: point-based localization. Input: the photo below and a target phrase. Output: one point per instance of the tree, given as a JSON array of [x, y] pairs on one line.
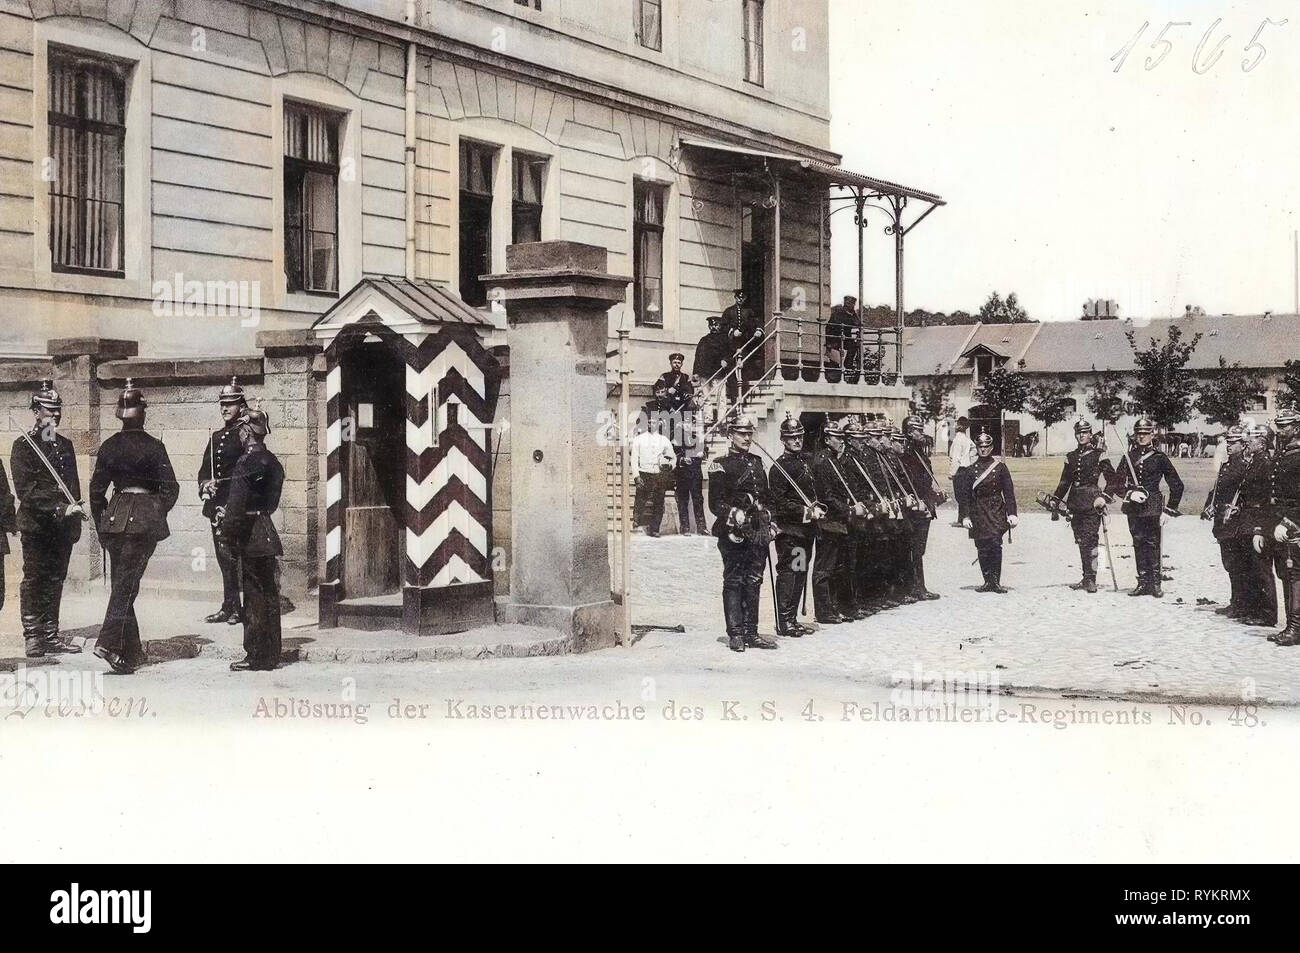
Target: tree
[[997, 311], [1046, 403], [1288, 390], [1004, 391], [1228, 393], [1105, 399], [1165, 389], [932, 398]]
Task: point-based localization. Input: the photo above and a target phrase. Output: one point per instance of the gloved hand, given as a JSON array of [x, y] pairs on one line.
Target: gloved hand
[[1279, 533], [74, 509], [817, 512], [858, 509], [1257, 544], [967, 524], [1099, 503], [1013, 520], [738, 517], [1137, 496], [207, 489]]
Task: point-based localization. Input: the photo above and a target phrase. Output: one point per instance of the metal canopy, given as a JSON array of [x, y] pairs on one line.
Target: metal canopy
[[837, 176], [423, 301]]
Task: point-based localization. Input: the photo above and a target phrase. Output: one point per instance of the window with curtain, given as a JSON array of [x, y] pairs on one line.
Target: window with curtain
[[477, 162], [753, 20], [648, 200], [311, 199], [529, 181], [87, 118], [649, 24]]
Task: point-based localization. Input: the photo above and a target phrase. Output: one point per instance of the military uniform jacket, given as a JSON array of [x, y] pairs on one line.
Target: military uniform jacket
[[1255, 492], [1225, 498], [1286, 487], [254, 495], [8, 517], [673, 388], [916, 464], [1150, 466], [40, 501], [990, 497], [131, 461], [831, 492], [711, 353], [1084, 478], [788, 509], [220, 466]]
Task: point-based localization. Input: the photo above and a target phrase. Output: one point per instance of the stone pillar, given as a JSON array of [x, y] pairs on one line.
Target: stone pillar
[[557, 297], [291, 396], [75, 363]]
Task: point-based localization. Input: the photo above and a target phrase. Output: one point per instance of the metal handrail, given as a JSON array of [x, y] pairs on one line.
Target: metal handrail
[[765, 378]]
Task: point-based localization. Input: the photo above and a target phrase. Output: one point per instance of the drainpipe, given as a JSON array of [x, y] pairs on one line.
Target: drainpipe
[[410, 141]]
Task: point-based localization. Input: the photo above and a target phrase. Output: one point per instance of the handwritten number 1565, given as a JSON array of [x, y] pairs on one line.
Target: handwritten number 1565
[[1207, 52]]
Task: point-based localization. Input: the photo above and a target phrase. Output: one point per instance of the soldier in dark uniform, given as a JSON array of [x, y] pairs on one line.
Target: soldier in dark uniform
[[1283, 524], [246, 523], [791, 482], [219, 459], [1223, 510], [49, 523], [1137, 479], [990, 510], [899, 549], [1255, 489], [712, 352], [672, 390], [832, 565], [866, 537], [132, 524], [920, 475], [743, 326], [8, 524], [1082, 488], [842, 332]]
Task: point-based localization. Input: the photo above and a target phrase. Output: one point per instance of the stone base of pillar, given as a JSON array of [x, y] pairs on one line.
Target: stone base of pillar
[[446, 610], [593, 626]]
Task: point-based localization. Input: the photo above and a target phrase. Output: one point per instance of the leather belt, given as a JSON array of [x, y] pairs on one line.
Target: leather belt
[[133, 489]]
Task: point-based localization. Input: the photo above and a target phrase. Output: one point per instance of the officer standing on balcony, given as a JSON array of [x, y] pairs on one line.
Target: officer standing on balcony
[[48, 522], [246, 524], [739, 500], [219, 459], [132, 524], [791, 482], [1082, 488], [1137, 479]]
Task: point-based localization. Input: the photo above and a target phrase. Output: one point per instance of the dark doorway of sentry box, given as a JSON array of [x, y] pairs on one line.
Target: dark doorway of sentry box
[[373, 468]]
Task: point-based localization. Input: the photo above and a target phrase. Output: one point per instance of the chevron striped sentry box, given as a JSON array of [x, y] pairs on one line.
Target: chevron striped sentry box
[[440, 522]]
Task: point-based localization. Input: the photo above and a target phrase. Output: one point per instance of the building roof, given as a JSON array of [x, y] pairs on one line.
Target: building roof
[[1061, 347], [422, 300]]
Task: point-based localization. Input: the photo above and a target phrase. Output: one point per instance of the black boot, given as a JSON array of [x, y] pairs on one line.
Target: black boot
[[824, 604], [920, 591], [752, 639], [1142, 588], [1291, 598], [733, 611]]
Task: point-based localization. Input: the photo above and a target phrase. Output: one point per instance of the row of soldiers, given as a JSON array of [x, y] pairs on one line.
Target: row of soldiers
[[856, 514], [1254, 509], [240, 483]]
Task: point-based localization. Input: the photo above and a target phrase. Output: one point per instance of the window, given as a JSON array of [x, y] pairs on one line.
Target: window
[[753, 16], [983, 366], [87, 118], [649, 24], [1069, 405], [311, 199], [477, 163], [648, 201], [526, 210], [1257, 402]]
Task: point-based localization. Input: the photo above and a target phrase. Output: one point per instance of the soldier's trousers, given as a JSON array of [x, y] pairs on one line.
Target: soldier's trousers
[[1259, 590], [45, 567], [261, 610], [1086, 527], [989, 552], [2, 582], [864, 581], [830, 568], [690, 496], [918, 538], [794, 555], [648, 504], [1146, 547], [1236, 563], [228, 563], [120, 633]]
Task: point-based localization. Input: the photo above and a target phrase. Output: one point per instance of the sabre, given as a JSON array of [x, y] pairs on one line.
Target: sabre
[[871, 483], [58, 480], [854, 499], [1110, 559], [781, 470]]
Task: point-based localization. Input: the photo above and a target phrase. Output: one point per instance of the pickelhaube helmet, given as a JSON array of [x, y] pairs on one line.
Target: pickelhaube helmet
[[913, 422], [232, 393], [713, 320], [1082, 426], [791, 428], [875, 425], [1144, 425], [855, 429], [255, 421], [1236, 433], [46, 396], [984, 440], [741, 424], [834, 428], [1286, 417], [131, 402]]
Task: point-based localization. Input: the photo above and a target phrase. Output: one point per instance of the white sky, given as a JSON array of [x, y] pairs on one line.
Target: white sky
[[1065, 180]]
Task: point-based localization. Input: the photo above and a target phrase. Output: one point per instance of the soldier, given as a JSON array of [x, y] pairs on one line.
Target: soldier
[[828, 575], [1283, 522], [990, 510], [860, 567], [881, 528], [132, 524], [711, 351], [1224, 511], [672, 390], [792, 486], [50, 514], [691, 448], [219, 458], [920, 475], [1258, 588], [8, 524], [899, 549], [743, 326], [1082, 488], [1137, 479], [246, 523]]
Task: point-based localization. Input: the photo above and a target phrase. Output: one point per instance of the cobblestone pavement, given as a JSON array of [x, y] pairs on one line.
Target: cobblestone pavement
[[1040, 637]]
